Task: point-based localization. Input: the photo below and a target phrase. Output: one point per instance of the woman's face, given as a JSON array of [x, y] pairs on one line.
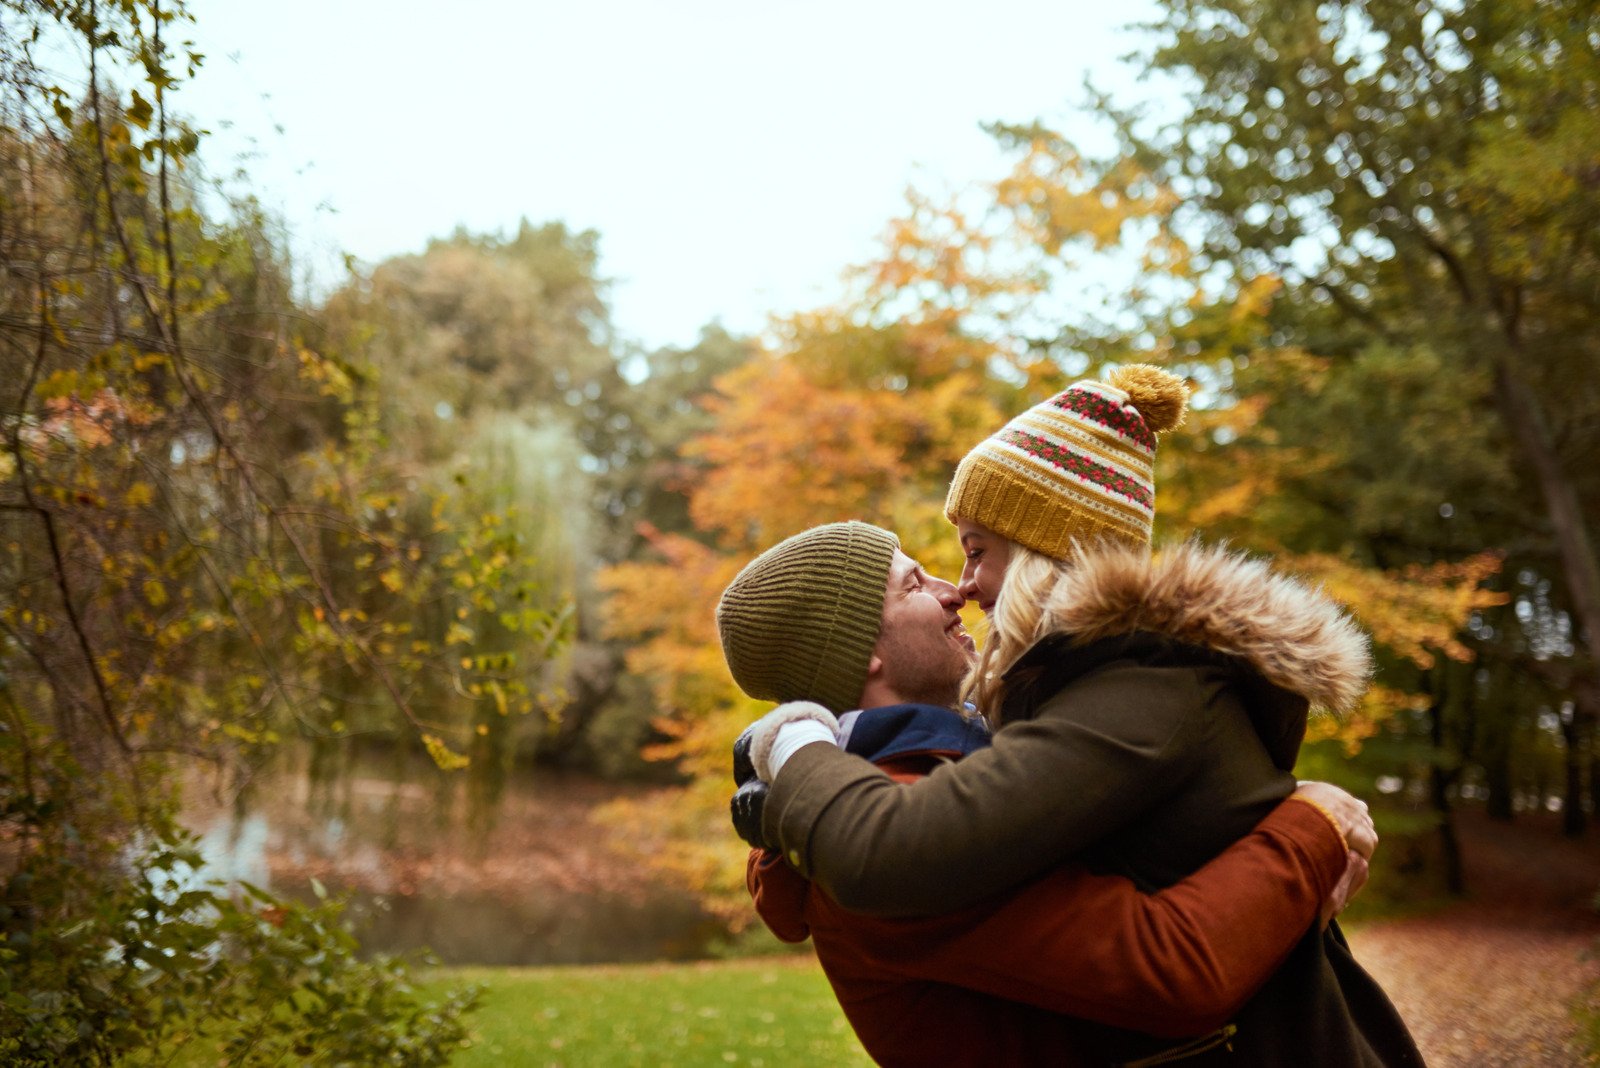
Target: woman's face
[[987, 554]]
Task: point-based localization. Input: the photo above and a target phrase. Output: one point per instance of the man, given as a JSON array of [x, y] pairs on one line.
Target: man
[[840, 616]]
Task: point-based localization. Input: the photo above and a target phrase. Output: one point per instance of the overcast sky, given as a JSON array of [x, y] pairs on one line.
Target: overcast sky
[[734, 156]]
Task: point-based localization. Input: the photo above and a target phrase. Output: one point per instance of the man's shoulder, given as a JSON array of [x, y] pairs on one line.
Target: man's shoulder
[[897, 730]]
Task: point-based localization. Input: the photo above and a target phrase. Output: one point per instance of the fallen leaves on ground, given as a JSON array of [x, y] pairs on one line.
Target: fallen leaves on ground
[[1491, 981]]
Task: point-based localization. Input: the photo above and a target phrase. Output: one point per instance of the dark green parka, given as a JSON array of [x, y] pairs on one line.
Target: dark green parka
[[1156, 723]]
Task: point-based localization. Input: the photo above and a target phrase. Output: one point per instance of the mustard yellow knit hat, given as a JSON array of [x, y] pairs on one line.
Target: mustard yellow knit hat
[[800, 621], [1079, 467]]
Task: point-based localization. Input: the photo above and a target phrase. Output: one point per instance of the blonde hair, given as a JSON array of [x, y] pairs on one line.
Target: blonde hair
[[1014, 627]]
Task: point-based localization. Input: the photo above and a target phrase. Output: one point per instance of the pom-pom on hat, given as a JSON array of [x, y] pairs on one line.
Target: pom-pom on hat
[[800, 621], [1077, 468]]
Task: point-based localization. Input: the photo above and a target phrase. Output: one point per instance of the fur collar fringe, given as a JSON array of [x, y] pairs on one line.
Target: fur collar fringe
[[1294, 636]]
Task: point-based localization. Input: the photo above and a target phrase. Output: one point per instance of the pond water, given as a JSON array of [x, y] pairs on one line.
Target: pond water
[[543, 886]]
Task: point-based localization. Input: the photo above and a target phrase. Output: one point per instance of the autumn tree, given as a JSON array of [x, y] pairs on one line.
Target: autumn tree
[[1414, 187], [202, 544], [502, 372]]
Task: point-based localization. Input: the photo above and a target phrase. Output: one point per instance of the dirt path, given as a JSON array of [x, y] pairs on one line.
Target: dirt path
[[1490, 982]]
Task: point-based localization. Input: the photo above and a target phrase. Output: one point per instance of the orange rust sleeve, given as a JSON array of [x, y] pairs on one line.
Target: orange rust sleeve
[[1176, 963]]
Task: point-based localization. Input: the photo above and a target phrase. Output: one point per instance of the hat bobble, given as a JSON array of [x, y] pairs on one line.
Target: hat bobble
[[1161, 397]]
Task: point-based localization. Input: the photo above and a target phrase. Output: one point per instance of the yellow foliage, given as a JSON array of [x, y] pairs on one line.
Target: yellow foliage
[[935, 252], [1416, 612], [1056, 201], [1255, 298], [1378, 705], [445, 758]]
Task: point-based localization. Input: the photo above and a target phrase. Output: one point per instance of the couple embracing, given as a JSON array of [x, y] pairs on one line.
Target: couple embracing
[[1085, 845]]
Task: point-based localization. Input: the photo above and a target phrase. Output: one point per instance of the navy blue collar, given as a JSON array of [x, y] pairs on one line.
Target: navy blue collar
[[894, 730]]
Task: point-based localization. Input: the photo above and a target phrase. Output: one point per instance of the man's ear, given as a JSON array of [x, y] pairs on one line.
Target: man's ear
[[874, 666]]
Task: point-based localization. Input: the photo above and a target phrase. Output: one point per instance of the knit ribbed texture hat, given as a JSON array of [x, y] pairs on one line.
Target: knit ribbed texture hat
[[1079, 467], [800, 621]]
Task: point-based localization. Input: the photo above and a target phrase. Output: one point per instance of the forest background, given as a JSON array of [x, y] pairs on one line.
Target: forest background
[[446, 509]]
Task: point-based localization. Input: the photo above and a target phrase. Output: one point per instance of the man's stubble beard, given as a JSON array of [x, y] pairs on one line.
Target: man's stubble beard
[[922, 675]]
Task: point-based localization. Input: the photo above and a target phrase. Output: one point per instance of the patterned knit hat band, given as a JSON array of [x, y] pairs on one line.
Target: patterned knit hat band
[[1077, 468], [1068, 431], [1046, 518], [800, 621]]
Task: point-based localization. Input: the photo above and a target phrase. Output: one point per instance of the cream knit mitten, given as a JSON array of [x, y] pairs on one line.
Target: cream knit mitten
[[783, 731]]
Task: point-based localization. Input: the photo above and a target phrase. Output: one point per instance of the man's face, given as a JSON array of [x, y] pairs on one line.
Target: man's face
[[924, 649]]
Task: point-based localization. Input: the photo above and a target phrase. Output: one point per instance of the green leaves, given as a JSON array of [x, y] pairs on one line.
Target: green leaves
[[139, 112], [102, 967]]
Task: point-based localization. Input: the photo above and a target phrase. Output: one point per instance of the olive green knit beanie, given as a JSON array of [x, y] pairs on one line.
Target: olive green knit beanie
[[800, 621]]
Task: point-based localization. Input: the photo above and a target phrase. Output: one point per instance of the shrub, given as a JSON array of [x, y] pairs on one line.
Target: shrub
[[143, 962]]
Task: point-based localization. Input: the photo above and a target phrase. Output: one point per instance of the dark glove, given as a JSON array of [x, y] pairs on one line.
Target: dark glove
[[743, 769], [746, 807]]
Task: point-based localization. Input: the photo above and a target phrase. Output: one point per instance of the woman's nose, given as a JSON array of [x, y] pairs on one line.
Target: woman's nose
[[967, 588]]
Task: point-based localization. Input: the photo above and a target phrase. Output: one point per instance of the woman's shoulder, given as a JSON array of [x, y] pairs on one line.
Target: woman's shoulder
[[1152, 683], [1135, 668], [1194, 604]]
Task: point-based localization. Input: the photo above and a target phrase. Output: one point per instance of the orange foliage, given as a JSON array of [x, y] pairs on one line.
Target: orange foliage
[[787, 454], [942, 256], [664, 610], [682, 833]]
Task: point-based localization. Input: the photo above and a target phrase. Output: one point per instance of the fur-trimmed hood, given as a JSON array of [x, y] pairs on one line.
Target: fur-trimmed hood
[[1294, 636]]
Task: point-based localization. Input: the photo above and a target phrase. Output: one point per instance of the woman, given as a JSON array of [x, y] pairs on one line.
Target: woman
[[1148, 713]]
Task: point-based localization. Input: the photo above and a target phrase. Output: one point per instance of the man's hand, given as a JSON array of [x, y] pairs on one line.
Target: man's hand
[[760, 750], [750, 799], [1355, 823], [743, 769], [1354, 878], [745, 808], [1348, 812]]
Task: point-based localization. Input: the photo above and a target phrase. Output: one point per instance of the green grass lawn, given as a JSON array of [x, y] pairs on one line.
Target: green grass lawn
[[767, 1011]]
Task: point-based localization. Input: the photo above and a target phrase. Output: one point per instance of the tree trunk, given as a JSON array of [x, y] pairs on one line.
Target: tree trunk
[[1455, 881], [1580, 566], [1594, 776], [1495, 741], [1497, 778], [1573, 820], [1445, 770], [1580, 739]]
